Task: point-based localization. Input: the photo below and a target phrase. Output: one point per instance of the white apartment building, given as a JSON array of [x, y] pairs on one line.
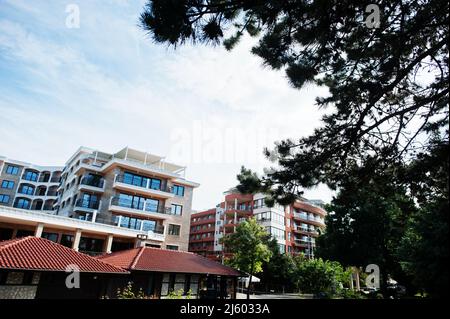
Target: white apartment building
[[98, 202]]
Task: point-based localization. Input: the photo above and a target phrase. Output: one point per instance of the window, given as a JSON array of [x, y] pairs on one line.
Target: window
[[22, 203], [258, 203], [276, 232], [148, 225], [4, 199], [89, 201], [7, 184], [172, 247], [129, 222], [151, 205], [12, 170], [174, 230], [67, 240], [176, 209], [26, 189], [155, 183], [178, 190], [30, 176], [50, 236], [141, 181]]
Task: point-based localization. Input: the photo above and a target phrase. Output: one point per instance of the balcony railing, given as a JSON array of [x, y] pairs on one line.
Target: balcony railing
[[142, 206], [87, 204], [94, 182], [162, 187], [116, 221]]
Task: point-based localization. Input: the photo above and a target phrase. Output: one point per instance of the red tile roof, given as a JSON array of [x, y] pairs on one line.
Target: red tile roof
[[32, 253], [165, 260]]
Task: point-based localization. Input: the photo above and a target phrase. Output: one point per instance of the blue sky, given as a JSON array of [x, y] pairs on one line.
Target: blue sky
[[105, 85]]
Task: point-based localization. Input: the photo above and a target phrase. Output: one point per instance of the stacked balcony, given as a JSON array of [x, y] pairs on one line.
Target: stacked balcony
[[120, 205], [92, 184], [161, 191]]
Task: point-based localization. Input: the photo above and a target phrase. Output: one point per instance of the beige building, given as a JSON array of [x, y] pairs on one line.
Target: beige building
[[99, 202]]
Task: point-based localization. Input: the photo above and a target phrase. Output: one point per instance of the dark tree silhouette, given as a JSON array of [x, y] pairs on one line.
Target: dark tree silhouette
[[388, 107]]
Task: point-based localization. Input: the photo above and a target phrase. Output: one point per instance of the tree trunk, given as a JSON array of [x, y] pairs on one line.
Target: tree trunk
[[250, 281]]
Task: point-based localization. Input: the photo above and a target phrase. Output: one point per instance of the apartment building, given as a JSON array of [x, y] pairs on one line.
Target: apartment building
[[295, 227], [98, 202], [27, 186]]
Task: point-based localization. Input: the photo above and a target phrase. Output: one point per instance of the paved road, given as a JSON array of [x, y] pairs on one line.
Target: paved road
[[274, 296]]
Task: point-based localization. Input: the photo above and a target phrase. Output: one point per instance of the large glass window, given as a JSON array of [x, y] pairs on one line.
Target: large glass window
[[174, 230], [277, 218], [26, 189], [130, 222], [89, 201], [141, 181], [176, 209], [133, 179], [155, 183], [8, 184], [258, 203], [277, 232], [91, 245], [178, 190], [4, 199], [22, 203], [12, 170], [30, 176], [148, 225], [152, 205], [125, 200], [50, 236], [67, 240]]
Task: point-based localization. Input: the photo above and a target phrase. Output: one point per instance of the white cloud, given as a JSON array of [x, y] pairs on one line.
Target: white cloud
[[106, 85]]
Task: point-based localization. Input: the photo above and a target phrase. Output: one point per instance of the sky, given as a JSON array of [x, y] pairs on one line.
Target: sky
[[96, 79]]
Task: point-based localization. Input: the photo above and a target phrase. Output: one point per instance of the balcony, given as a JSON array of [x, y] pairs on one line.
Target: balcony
[[120, 205], [211, 220], [123, 184], [311, 219], [302, 243], [82, 205], [306, 231], [203, 230], [92, 184]]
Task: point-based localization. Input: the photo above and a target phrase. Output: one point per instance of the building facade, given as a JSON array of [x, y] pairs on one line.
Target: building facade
[[98, 202], [295, 227]]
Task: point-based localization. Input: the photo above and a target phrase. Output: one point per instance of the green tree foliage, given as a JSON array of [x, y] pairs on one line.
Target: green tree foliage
[[366, 221], [423, 250], [179, 294], [380, 106], [316, 276], [387, 116], [278, 271], [128, 292], [249, 248]]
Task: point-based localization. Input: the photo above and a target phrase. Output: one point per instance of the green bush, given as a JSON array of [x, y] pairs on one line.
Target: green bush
[[179, 294], [319, 277], [129, 293]]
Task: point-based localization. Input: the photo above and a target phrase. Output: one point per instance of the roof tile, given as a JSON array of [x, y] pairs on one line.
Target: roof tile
[[33, 253], [165, 260]]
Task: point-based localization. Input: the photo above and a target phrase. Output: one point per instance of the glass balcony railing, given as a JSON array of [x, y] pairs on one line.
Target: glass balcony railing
[[87, 204], [143, 183], [140, 205], [94, 182]]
